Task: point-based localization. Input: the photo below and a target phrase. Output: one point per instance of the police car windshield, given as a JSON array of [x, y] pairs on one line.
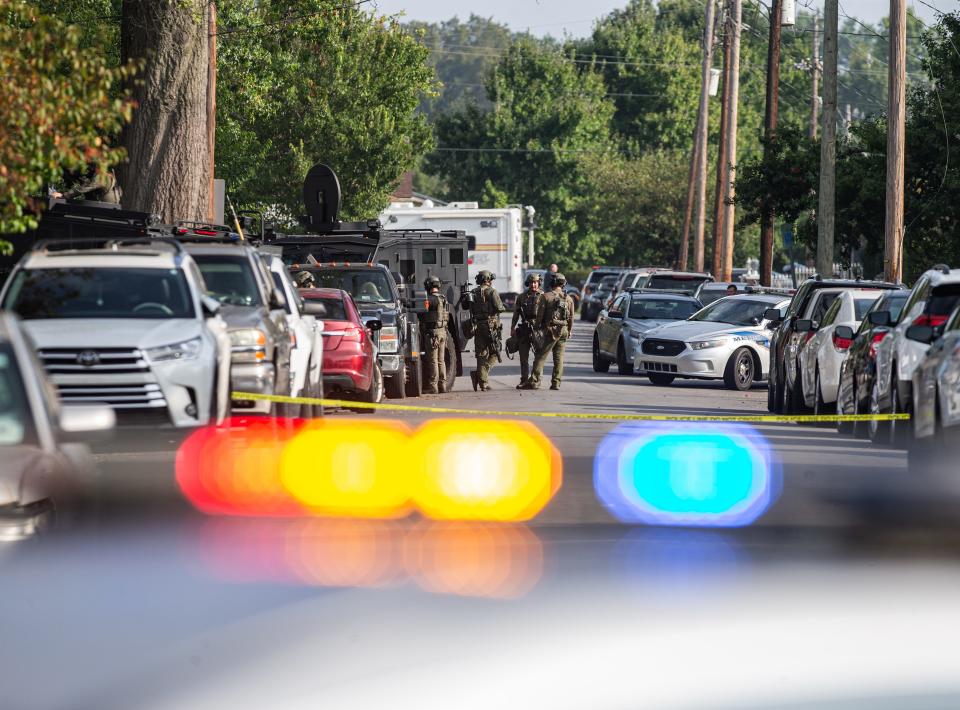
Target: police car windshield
[[100, 293], [229, 279], [662, 309], [735, 311], [365, 285]]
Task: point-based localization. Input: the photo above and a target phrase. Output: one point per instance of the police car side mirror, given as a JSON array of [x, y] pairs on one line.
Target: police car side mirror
[[773, 315]]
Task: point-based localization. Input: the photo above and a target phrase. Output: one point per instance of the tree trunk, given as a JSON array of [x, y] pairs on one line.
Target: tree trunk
[[167, 169]]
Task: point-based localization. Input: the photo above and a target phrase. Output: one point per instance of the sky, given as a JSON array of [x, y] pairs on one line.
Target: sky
[[559, 17]]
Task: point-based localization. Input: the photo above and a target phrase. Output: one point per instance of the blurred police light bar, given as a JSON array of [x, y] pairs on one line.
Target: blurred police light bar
[[704, 474], [481, 469], [450, 469], [235, 469], [336, 467]]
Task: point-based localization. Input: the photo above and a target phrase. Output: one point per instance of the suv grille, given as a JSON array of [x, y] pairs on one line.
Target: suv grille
[[123, 396], [653, 346], [72, 361]]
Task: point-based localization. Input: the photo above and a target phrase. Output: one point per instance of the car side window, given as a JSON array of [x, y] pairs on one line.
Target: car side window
[[920, 294], [619, 305], [831, 315]]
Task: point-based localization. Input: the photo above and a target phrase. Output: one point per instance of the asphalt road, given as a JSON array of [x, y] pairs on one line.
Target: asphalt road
[[828, 479]]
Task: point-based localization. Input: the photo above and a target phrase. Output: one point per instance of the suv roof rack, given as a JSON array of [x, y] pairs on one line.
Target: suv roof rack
[[942, 268], [112, 245], [71, 220]]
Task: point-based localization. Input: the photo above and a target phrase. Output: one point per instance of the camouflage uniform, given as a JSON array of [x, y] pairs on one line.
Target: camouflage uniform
[[433, 331], [526, 308], [555, 320], [485, 310]]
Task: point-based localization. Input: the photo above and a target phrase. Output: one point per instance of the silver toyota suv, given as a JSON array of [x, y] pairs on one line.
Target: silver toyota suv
[[253, 308], [125, 323]]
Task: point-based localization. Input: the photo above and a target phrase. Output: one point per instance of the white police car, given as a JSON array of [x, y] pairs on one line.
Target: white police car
[[728, 340]]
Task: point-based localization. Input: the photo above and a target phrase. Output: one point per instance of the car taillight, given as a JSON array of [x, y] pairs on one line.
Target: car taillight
[[841, 343], [353, 334], [877, 337], [931, 320]]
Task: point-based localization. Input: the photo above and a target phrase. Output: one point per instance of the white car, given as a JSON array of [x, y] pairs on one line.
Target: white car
[[827, 344], [932, 300], [126, 324], [306, 355], [728, 340]]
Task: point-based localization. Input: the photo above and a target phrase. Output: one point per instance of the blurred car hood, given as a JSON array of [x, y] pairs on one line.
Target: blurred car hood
[[110, 333], [15, 462]]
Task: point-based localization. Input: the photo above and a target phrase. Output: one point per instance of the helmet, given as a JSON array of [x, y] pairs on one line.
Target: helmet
[[304, 279], [485, 277], [530, 279], [431, 282], [559, 279]]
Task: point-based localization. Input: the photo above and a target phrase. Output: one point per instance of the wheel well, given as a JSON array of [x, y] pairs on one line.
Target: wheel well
[[757, 366]]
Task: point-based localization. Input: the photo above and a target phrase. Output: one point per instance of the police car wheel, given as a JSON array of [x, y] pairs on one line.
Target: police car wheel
[[624, 367], [740, 373], [599, 363]]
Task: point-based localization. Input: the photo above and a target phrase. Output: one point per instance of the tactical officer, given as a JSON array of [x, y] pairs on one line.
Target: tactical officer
[[93, 185], [433, 333], [525, 312], [485, 310], [304, 279], [554, 320]]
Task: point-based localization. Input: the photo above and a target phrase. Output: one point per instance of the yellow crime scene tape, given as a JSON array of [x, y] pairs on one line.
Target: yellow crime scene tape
[[746, 418]]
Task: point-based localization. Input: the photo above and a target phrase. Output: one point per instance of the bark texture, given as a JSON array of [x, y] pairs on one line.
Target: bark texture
[[167, 171]]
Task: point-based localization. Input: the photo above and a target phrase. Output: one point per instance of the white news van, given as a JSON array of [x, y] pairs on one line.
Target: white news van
[[498, 232]]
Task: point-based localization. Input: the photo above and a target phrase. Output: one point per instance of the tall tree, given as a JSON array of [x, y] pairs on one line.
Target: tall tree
[[167, 170], [57, 109]]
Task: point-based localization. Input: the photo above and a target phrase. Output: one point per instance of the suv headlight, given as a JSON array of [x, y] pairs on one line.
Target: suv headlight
[[637, 335], [705, 344], [248, 345], [187, 350], [389, 342]]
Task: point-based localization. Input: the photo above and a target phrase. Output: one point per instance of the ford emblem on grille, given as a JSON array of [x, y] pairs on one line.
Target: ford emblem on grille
[[88, 358]]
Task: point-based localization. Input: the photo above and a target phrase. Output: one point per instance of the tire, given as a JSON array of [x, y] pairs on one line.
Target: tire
[[846, 428], [793, 400], [373, 395], [900, 432], [623, 367], [450, 360], [877, 432], [395, 385], [740, 371], [661, 379], [859, 430], [819, 406], [415, 379], [599, 363]]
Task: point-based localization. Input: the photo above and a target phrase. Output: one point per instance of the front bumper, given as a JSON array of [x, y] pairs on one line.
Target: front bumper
[[255, 377], [706, 364], [389, 364]]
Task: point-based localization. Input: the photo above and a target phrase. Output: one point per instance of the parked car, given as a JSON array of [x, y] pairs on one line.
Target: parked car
[[306, 355], [590, 287], [350, 367], [375, 293], [618, 330], [594, 303], [710, 291], [668, 280], [936, 395], [932, 300], [41, 449], [805, 304], [126, 324], [859, 366], [829, 339], [728, 340], [255, 312], [574, 294]]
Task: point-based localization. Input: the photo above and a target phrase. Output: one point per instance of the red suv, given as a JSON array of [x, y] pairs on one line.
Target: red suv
[[350, 364]]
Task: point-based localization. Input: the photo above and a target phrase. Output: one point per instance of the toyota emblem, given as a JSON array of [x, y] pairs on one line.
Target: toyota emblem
[[659, 347], [88, 358]]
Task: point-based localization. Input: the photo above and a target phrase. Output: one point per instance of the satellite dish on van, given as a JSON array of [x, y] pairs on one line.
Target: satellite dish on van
[[321, 195]]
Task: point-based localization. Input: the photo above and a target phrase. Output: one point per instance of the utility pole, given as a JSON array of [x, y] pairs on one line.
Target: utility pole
[[826, 210], [768, 215], [734, 23], [696, 189], [815, 72], [211, 103], [720, 194], [896, 140]]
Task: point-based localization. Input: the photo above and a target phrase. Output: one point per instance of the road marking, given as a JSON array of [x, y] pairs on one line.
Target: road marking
[[746, 418]]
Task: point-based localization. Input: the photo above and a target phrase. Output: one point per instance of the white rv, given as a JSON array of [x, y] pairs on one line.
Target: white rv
[[499, 235]]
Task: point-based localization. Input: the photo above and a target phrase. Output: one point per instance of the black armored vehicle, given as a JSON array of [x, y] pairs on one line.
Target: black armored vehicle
[[384, 271]]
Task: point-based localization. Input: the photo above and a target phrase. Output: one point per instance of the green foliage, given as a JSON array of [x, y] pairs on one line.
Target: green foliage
[[316, 80], [546, 115], [58, 108]]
